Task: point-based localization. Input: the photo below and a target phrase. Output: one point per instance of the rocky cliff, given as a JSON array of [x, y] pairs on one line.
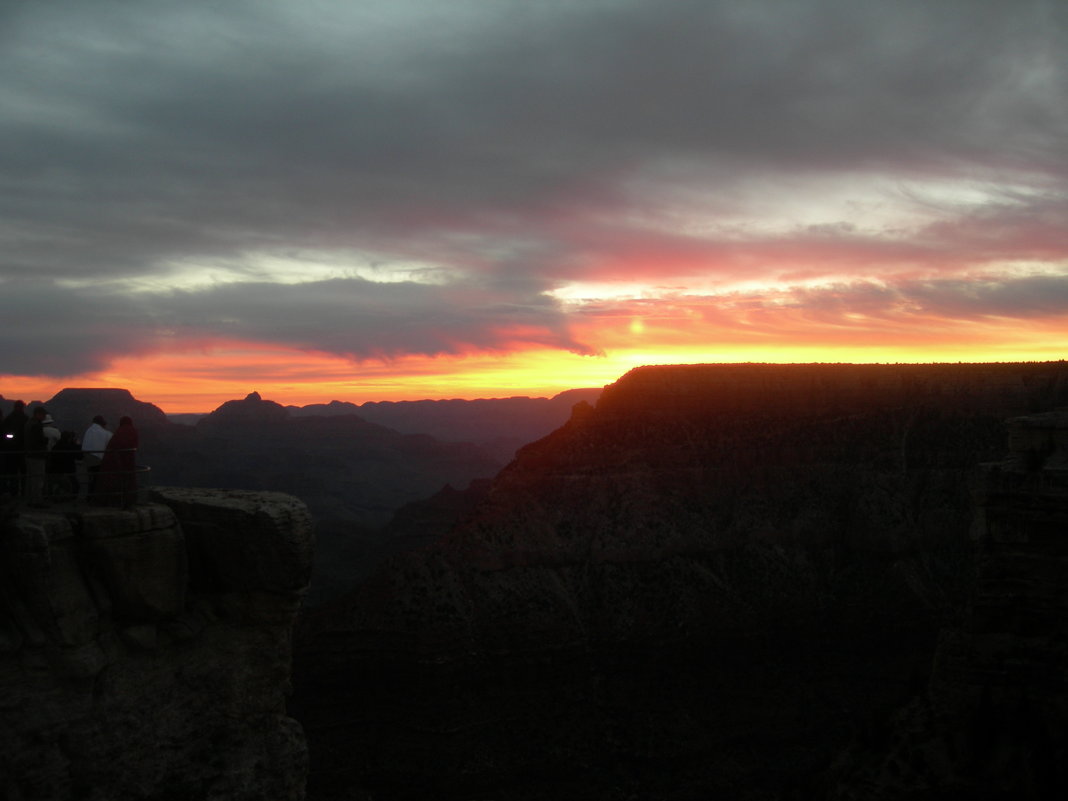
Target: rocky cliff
[[145, 653], [703, 587], [990, 724]]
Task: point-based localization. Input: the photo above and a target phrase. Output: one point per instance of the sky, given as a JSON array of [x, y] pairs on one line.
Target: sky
[[484, 198]]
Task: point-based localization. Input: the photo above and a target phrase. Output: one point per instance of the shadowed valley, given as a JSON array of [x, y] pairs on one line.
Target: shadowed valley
[[707, 586]]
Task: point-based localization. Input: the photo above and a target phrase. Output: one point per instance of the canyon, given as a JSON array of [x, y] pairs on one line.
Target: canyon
[[354, 466], [709, 585], [752, 582]]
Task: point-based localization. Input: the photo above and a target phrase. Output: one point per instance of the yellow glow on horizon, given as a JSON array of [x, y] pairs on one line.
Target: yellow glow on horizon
[[201, 380]]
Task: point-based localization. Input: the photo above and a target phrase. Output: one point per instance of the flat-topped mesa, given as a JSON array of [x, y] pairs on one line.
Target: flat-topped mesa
[[74, 409], [145, 652], [763, 389]]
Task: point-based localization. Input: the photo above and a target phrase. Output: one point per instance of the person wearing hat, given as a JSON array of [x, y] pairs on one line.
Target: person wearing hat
[[94, 443], [51, 433]]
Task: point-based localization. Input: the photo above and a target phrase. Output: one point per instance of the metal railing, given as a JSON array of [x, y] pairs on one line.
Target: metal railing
[[29, 478]]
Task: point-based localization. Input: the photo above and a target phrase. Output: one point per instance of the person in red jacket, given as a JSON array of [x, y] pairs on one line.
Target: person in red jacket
[[117, 481]]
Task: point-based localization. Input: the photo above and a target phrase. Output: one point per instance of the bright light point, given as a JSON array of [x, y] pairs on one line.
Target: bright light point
[[637, 326]]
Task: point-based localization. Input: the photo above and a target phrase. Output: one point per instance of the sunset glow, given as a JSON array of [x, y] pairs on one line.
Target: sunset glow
[[202, 380], [414, 203]]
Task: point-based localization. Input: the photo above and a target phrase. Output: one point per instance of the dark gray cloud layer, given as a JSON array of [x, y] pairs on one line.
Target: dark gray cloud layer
[[510, 147]]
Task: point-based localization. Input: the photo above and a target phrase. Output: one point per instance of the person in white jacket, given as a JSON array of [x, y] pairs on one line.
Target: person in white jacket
[[94, 443]]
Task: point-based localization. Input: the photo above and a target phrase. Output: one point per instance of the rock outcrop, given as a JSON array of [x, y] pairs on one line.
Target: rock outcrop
[[991, 724], [252, 409], [703, 587], [145, 653]]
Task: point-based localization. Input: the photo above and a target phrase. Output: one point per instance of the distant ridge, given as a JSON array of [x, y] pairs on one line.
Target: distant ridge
[[332, 409], [501, 423], [252, 409], [74, 408], [508, 422]]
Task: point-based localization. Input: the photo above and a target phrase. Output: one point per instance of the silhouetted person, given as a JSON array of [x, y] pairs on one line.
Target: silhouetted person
[[51, 431], [117, 481], [12, 443], [94, 442], [36, 445], [62, 465], [52, 435]]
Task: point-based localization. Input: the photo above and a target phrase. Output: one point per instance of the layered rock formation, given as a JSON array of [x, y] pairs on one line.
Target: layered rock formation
[[145, 653], [703, 587], [992, 721]]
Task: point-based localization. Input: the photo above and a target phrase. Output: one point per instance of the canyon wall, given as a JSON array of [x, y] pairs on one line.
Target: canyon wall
[[145, 653], [708, 585], [990, 723]]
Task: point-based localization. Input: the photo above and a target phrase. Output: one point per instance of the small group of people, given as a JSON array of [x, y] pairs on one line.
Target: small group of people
[[39, 461]]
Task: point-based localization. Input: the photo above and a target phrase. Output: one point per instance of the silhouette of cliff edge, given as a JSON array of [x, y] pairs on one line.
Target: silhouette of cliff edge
[[703, 587], [145, 653]]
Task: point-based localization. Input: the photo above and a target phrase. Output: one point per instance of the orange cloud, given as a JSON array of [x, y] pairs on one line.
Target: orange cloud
[[855, 324]]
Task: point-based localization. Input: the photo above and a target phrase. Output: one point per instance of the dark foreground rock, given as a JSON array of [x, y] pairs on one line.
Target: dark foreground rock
[[145, 653], [707, 586], [991, 723]]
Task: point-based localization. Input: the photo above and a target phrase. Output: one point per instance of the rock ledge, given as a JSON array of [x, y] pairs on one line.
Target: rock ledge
[[146, 652]]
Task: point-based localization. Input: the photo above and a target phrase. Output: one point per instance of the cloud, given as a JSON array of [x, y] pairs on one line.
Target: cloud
[[59, 332], [362, 319], [513, 149], [1039, 296], [353, 318], [854, 312], [1019, 298]]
